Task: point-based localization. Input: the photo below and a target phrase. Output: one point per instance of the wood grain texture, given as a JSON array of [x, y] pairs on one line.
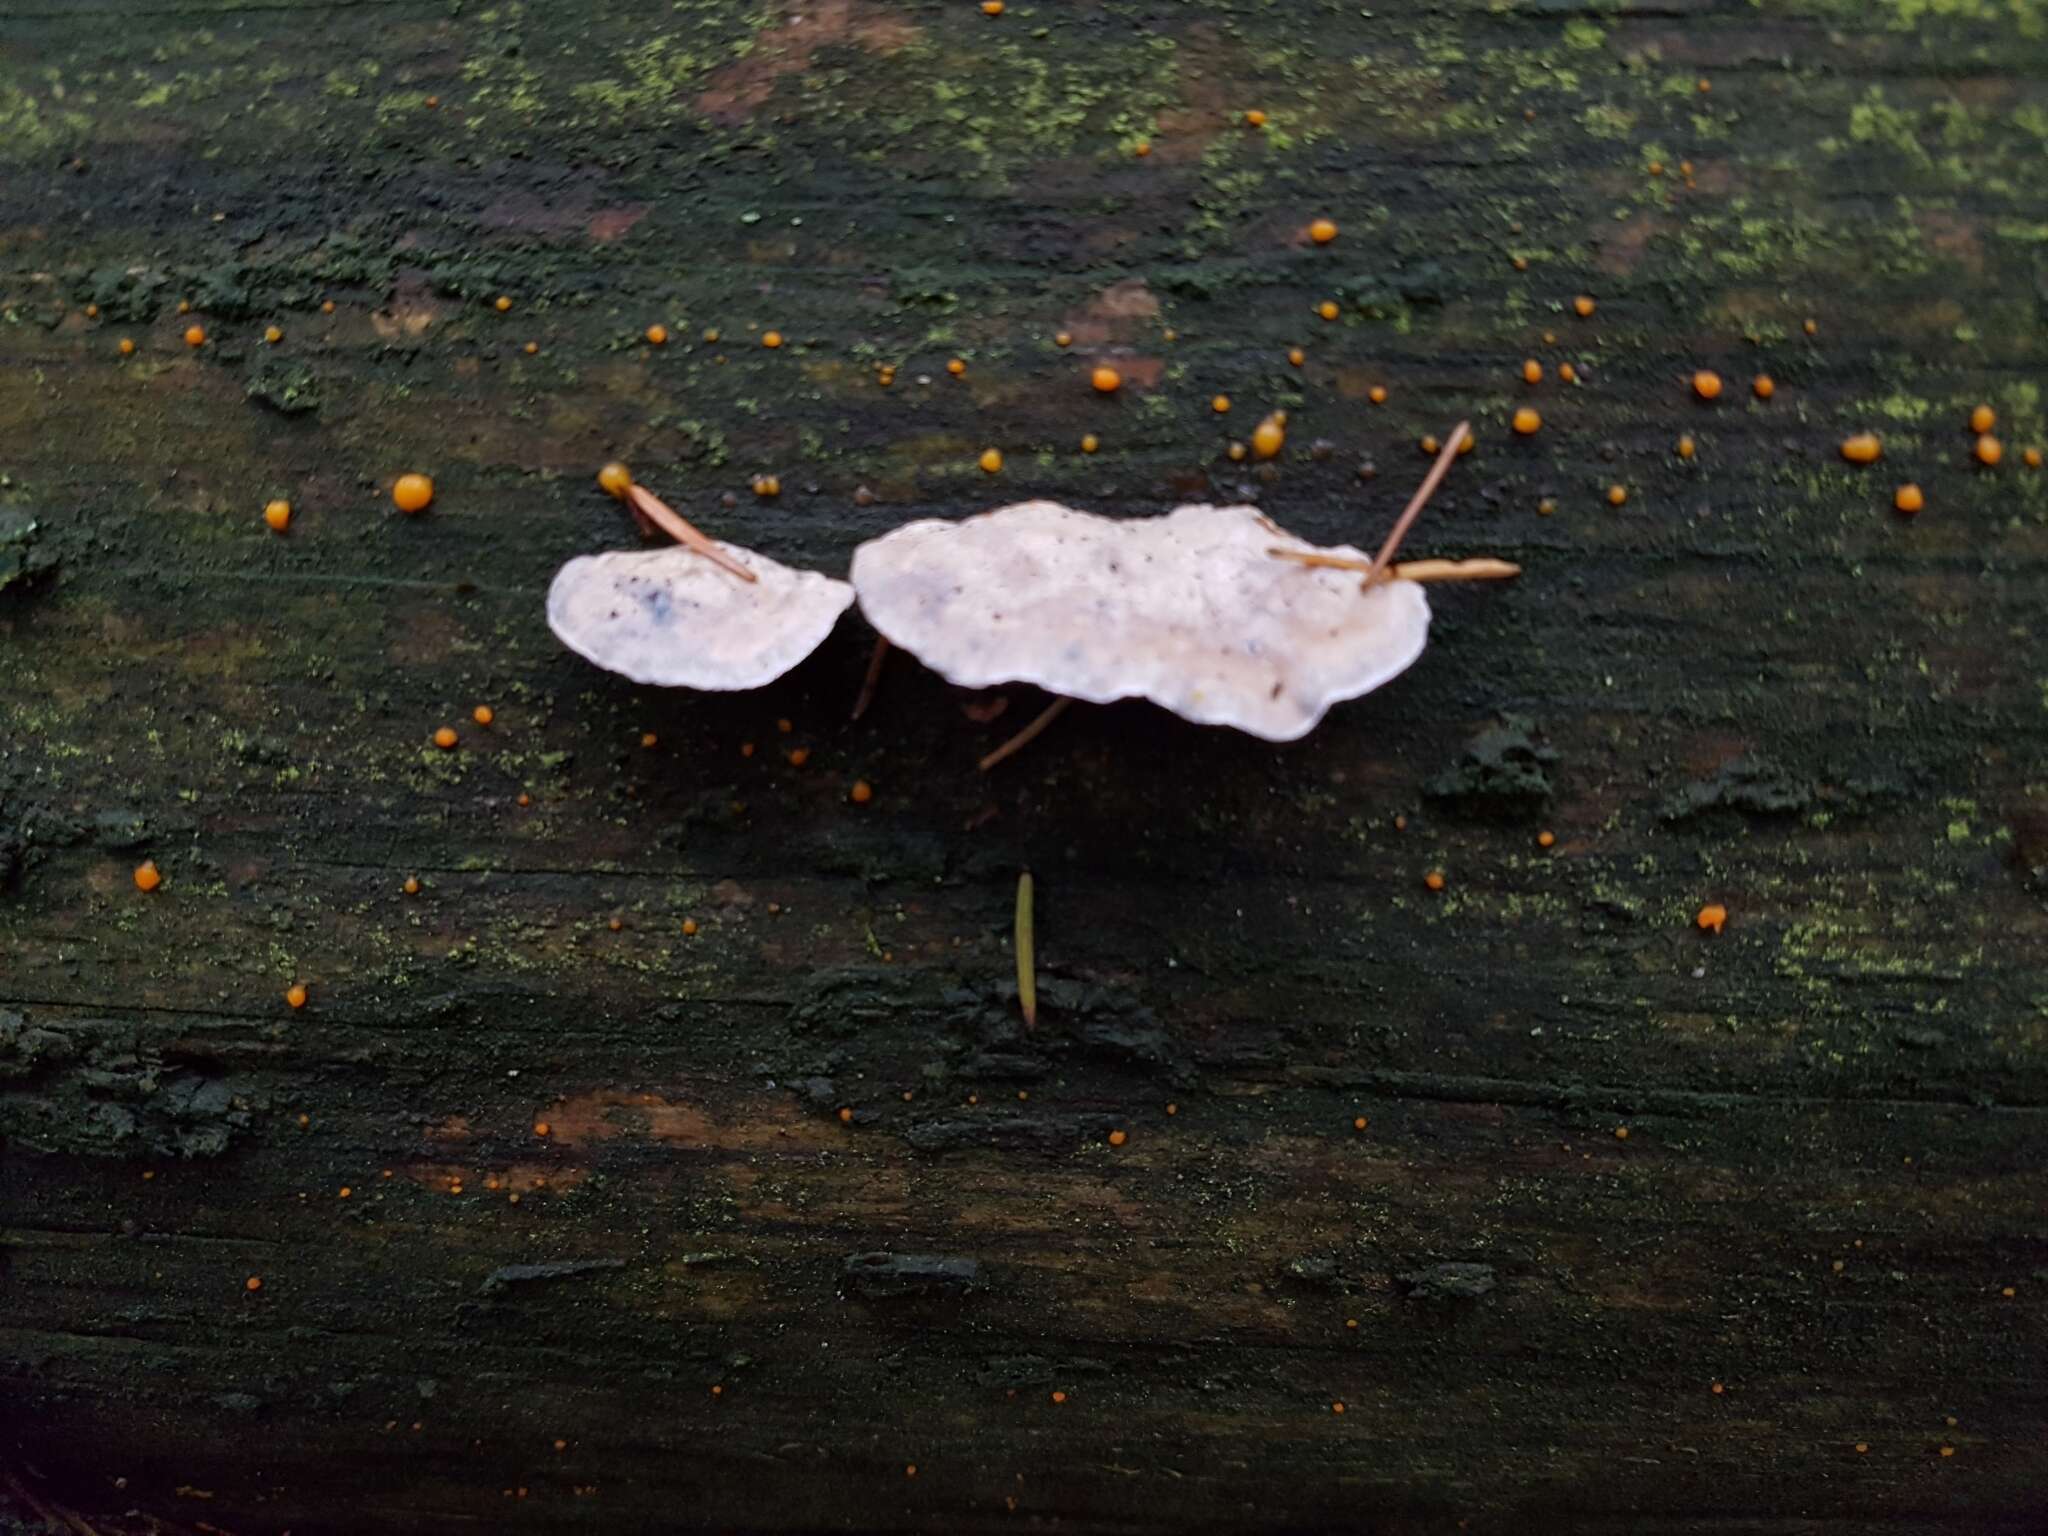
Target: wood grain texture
[[812, 1207]]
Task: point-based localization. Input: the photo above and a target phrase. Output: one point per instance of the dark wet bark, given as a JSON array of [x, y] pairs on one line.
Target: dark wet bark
[[811, 1206]]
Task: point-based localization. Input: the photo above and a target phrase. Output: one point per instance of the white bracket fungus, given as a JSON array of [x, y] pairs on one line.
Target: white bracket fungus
[[705, 614], [1188, 610]]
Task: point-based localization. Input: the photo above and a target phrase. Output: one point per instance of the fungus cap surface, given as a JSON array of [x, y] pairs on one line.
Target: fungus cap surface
[[1187, 610], [672, 618]]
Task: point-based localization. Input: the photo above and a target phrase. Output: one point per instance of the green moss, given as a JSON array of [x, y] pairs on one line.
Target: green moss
[[1873, 121], [2024, 16], [1603, 120], [35, 125]]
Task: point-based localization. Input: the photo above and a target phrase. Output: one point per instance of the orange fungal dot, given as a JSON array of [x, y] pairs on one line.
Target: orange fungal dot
[[273, 334], [1090, 442], [956, 366], [295, 994], [1434, 879], [1583, 306], [445, 738], [195, 336], [253, 1283], [1118, 1138], [127, 346], [1863, 448], [657, 335], [1532, 372], [504, 302], [1617, 495], [1712, 918], [411, 493], [1255, 118], [1763, 386], [1687, 447], [1105, 379], [1322, 231], [147, 876], [1546, 839], [1377, 394], [1707, 384], [1909, 499], [771, 339], [278, 515], [1989, 450], [862, 792], [1527, 421], [1327, 309], [1983, 419]]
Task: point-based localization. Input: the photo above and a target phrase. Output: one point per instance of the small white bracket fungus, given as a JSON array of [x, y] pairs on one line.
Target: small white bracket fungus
[[1189, 610], [674, 618]]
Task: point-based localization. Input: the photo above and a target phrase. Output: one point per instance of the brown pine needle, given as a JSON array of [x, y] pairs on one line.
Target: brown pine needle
[[1416, 503], [1029, 734], [874, 678], [1456, 570], [676, 527], [1482, 569], [1027, 954]]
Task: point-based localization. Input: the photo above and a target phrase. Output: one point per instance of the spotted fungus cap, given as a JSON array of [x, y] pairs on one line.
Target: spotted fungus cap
[[673, 618]]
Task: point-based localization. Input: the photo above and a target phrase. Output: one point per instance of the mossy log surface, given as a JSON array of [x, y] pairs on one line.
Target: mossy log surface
[[1588, 1218]]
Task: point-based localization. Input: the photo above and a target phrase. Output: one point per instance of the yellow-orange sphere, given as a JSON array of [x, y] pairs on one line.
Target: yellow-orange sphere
[[411, 493]]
